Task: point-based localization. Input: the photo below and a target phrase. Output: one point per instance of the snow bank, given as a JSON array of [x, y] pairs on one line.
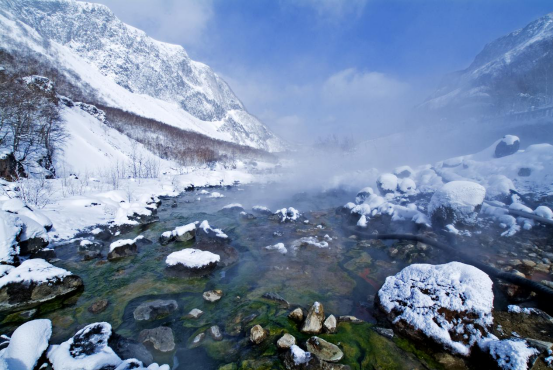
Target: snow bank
[[192, 258], [35, 270], [18, 207], [27, 344], [10, 228], [428, 299]]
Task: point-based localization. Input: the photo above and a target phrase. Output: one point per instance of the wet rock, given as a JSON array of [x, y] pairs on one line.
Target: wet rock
[[286, 341], [192, 262], [161, 338], [98, 306], [198, 339], [257, 334], [529, 263], [34, 282], [47, 254], [350, 319], [388, 333], [277, 298], [129, 348], [330, 324], [155, 309], [540, 345], [213, 295], [298, 359], [515, 293], [90, 255], [182, 234], [215, 333], [123, 248], [314, 321], [194, 314], [296, 315], [324, 350], [509, 145]]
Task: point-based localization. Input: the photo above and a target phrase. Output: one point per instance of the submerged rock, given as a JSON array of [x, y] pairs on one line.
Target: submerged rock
[[130, 349], [277, 298], [194, 314], [34, 282], [257, 334], [198, 339], [314, 321], [98, 306], [450, 304], [155, 309], [213, 295], [286, 341], [324, 350], [161, 338]]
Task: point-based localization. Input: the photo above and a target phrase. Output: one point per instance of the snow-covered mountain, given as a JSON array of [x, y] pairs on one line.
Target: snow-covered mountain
[[511, 74], [127, 69]]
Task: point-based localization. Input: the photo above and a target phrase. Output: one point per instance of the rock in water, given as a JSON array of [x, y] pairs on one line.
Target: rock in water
[[34, 282], [286, 341], [98, 306], [456, 202], [161, 338], [155, 309], [330, 324], [507, 146], [314, 321], [450, 304], [182, 234], [27, 344], [215, 333], [296, 315], [324, 350], [88, 349], [123, 248], [130, 348], [257, 334], [277, 298], [213, 295], [193, 260], [387, 183], [198, 339], [194, 314]]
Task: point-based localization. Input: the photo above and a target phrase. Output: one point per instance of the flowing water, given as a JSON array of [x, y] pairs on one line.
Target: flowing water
[[344, 277]]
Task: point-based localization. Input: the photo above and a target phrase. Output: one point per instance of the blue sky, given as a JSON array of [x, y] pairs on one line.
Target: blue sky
[[309, 68]]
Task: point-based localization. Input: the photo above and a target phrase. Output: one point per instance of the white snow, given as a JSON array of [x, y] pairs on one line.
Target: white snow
[[37, 270], [510, 139], [388, 182], [279, 247], [544, 212], [17, 206], [362, 221], [290, 214], [461, 196], [218, 232], [261, 209], [299, 355], [309, 240], [10, 228], [180, 230], [192, 258], [27, 344], [32, 229], [216, 195], [122, 242], [233, 205], [510, 354], [420, 293], [407, 185]]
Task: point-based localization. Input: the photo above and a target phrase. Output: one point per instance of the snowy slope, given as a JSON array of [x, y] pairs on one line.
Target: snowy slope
[[509, 75], [130, 70]]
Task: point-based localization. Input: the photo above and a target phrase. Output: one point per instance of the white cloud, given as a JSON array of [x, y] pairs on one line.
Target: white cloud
[[354, 87], [175, 21]]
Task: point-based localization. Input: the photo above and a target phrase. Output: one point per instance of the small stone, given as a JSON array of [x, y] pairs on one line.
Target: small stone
[[98, 306], [257, 334], [388, 333], [161, 338], [194, 314], [286, 341], [324, 350], [314, 321], [215, 333], [296, 315], [330, 324], [352, 319], [542, 267], [213, 295], [529, 263], [198, 339], [354, 237], [515, 262]]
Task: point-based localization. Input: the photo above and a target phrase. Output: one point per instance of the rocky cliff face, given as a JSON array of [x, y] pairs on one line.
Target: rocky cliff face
[[511, 74], [141, 65]]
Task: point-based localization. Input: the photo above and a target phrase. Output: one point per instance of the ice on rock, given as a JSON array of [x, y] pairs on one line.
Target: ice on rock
[[510, 354], [27, 344], [450, 304], [10, 228], [192, 258], [456, 201]]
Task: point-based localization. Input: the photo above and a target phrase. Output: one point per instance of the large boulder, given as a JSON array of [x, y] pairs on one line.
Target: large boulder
[[182, 234], [34, 282], [456, 202], [507, 146], [155, 309], [33, 238], [193, 261], [27, 344], [449, 304]]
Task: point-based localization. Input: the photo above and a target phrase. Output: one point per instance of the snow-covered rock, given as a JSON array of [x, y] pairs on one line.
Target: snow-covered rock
[[510, 354], [207, 232], [387, 183], [181, 233], [363, 194], [507, 146], [88, 349], [544, 212], [10, 230], [407, 186], [456, 201], [262, 210], [192, 259], [308, 241], [403, 172], [233, 207], [123, 248], [17, 206], [290, 214], [34, 236], [33, 282], [279, 247], [450, 304], [27, 344]]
